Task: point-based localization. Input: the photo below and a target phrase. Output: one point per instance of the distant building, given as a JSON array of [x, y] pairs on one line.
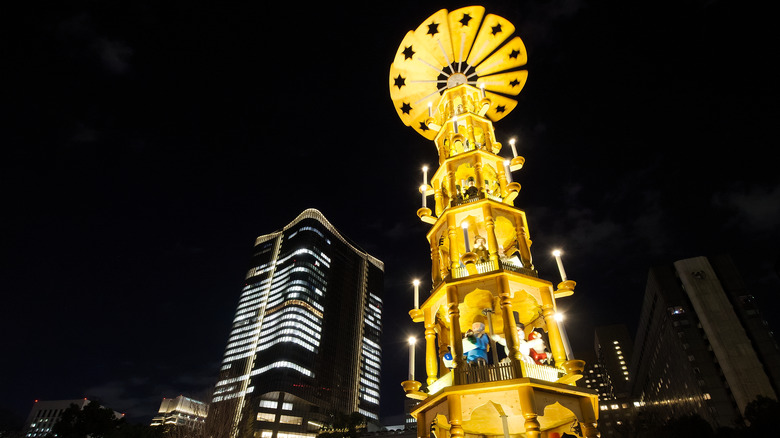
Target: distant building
[[613, 346], [181, 411], [305, 339], [608, 373], [701, 345], [46, 413]]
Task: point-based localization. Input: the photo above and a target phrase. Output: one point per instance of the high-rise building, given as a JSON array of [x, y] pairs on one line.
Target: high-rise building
[[614, 346], [701, 345], [181, 411], [608, 373], [305, 340]]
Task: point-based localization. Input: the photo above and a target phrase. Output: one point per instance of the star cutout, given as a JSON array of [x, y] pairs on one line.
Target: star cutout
[[408, 53], [500, 108], [423, 127], [406, 108], [433, 28], [514, 83], [496, 29], [514, 54], [400, 81], [465, 20]]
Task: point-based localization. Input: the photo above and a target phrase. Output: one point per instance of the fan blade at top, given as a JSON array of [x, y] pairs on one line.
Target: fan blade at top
[[412, 81], [511, 55], [464, 25], [500, 106], [434, 36], [494, 31], [510, 83]]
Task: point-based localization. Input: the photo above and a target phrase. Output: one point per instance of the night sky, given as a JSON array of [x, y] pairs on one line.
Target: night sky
[[146, 144]]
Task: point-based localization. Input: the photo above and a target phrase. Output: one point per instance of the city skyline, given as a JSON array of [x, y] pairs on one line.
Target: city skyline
[[147, 146]]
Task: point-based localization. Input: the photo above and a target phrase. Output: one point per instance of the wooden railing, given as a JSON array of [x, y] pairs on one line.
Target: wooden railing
[[505, 371], [491, 266]]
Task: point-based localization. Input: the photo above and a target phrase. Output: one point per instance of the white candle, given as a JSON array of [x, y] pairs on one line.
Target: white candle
[[455, 123], [507, 171], [557, 254], [466, 236], [425, 175], [424, 201], [430, 109], [416, 294], [562, 328], [514, 151], [482, 90], [412, 341]]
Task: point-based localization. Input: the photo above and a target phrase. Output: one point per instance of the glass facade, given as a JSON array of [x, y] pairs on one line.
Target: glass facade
[[305, 340]]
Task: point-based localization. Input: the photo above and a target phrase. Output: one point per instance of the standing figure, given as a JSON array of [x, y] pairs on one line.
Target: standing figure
[[480, 249], [538, 349], [475, 345], [523, 346]]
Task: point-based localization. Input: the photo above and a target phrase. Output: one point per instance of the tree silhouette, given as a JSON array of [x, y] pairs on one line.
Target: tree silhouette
[[94, 421], [763, 415]]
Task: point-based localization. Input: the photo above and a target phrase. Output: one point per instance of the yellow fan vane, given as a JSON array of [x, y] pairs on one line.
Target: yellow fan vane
[[448, 49]]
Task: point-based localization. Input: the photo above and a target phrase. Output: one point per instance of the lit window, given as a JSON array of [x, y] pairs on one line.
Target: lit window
[[265, 416], [287, 419]]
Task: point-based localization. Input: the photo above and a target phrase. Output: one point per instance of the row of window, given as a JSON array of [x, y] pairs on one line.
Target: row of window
[[284, 364]]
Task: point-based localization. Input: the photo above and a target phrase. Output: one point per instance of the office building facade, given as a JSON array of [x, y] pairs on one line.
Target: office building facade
[[305, 339], [701, 346]]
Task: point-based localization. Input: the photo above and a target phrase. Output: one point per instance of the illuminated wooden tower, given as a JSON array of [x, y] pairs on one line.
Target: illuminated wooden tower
[[451, 78]]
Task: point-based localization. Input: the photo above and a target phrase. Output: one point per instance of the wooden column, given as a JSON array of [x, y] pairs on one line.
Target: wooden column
[[455, 414], [452, 233], [435, 262], [490, 230], [528, 408], [431, 352], [522, 242], [456, 337], [510, 328]]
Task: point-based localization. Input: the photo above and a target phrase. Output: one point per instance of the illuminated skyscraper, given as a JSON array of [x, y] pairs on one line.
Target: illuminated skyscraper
[[305, 337]]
